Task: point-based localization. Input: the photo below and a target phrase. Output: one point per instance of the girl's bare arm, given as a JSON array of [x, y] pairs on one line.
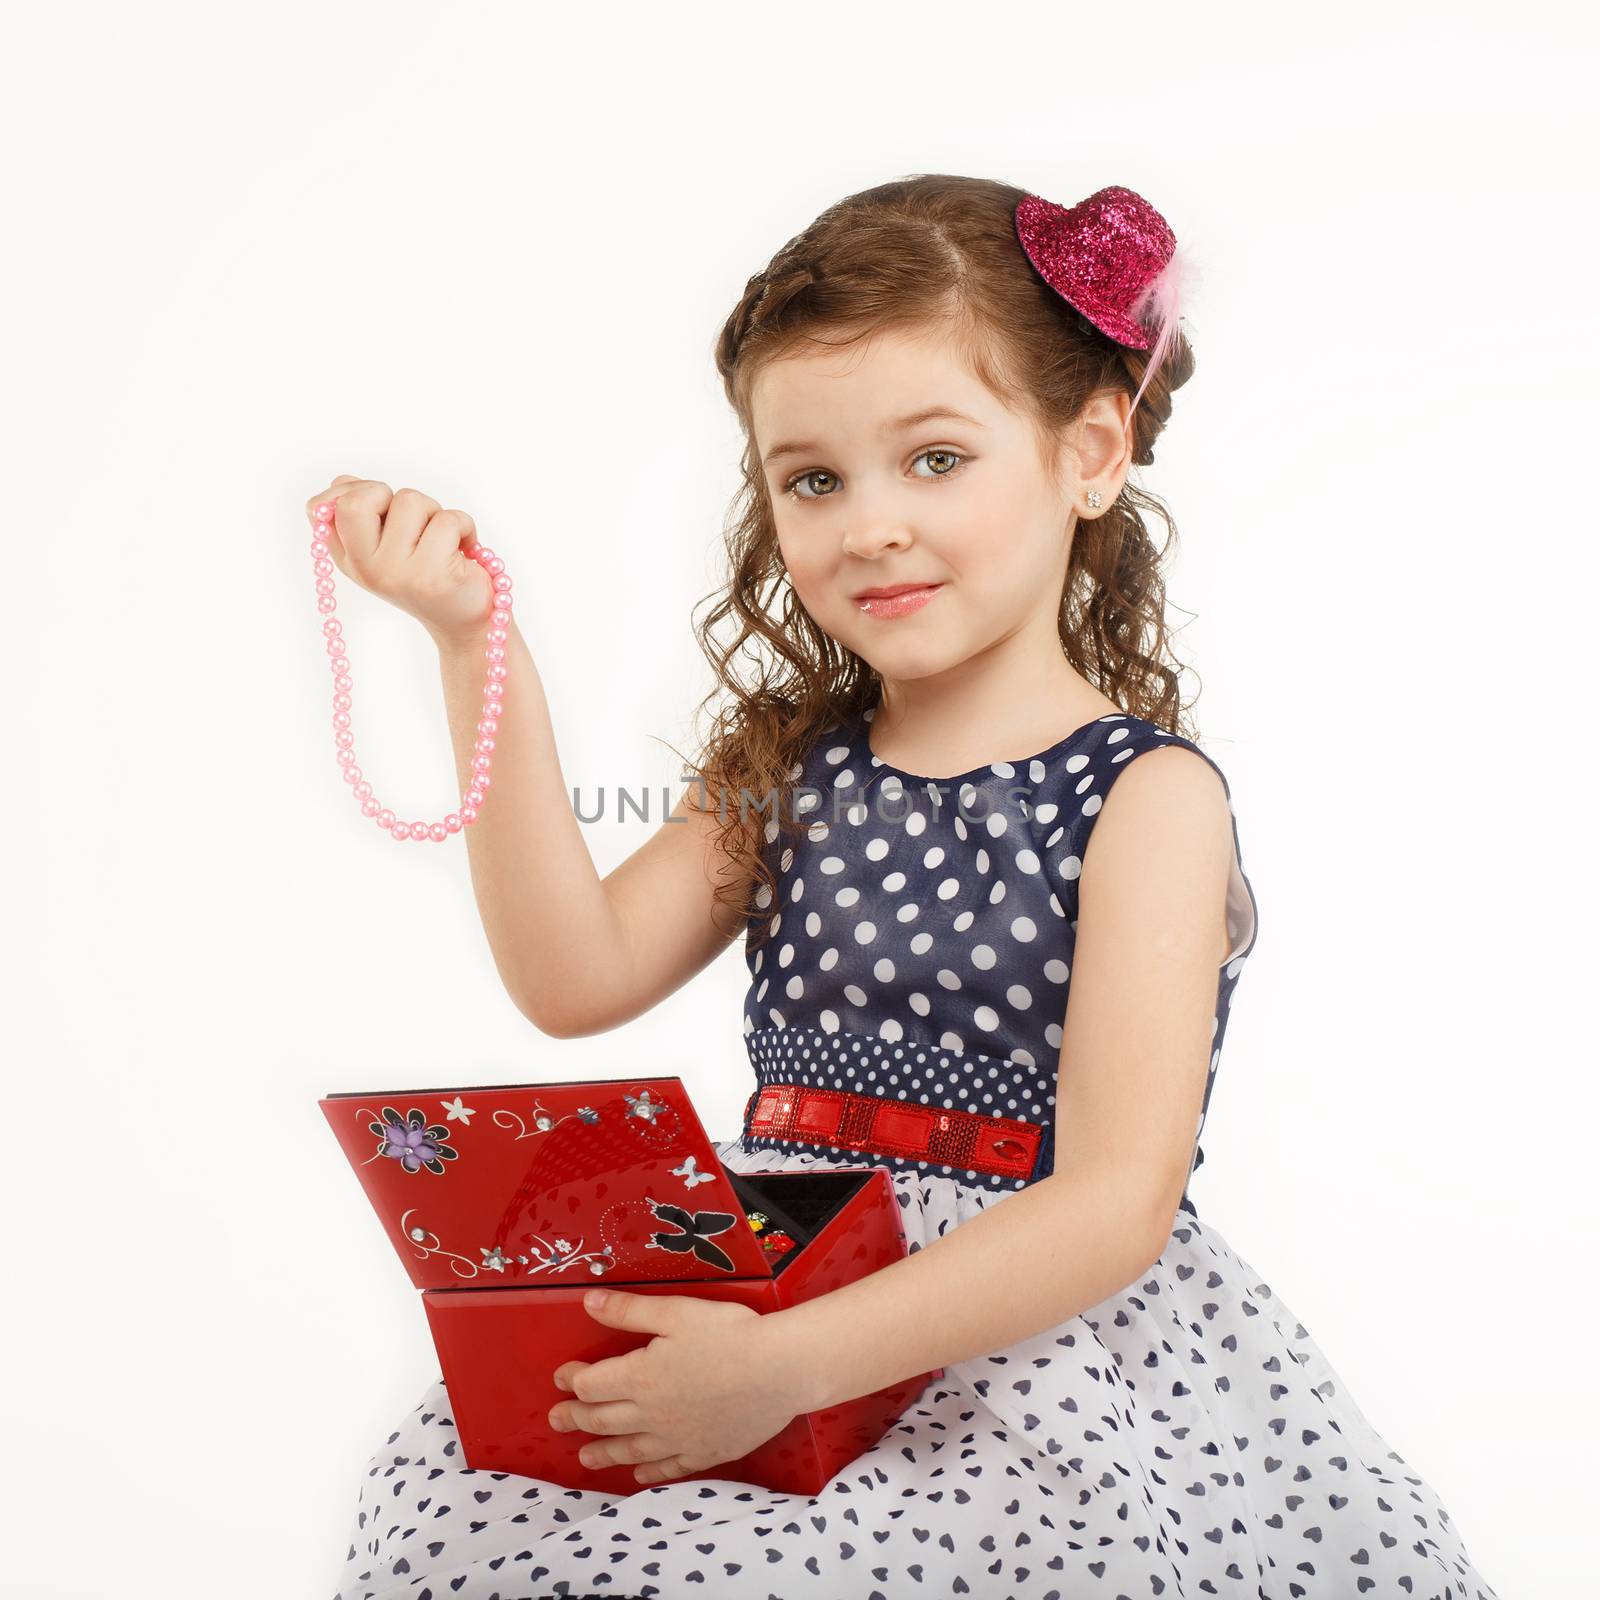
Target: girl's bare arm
[[578, 953]]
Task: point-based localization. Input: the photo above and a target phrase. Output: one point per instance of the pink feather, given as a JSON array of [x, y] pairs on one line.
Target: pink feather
[[1162, 302]]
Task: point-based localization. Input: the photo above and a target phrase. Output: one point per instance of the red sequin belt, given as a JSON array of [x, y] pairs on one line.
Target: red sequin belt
[[970, 1140]]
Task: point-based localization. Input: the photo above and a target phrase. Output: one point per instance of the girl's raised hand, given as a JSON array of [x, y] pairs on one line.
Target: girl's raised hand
[[403, 546]]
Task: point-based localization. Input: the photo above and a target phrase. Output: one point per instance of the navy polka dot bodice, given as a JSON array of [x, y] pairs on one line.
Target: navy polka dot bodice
[[924, 941]]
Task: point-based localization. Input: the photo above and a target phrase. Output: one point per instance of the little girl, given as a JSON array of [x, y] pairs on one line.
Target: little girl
[[948, 795]]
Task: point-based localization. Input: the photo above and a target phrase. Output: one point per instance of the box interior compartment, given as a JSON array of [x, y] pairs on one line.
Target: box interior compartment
[[798, 1203]]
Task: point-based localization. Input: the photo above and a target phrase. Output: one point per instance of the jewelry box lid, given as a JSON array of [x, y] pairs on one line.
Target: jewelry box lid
[[606, 1180]]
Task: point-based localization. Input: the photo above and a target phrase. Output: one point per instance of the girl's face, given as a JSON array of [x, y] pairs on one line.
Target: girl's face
[[870, 494]]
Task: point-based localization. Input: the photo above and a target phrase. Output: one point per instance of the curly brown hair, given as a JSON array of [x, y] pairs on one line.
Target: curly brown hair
[[926, 251]]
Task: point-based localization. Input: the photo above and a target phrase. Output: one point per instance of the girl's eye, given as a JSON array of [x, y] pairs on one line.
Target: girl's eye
[[792, 486]]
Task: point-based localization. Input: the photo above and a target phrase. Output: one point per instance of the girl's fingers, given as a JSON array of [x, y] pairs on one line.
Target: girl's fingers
[[357, 518], [614, 1378], [336, 549], [405, 516], [447, 533], [601, 1416], [333, 489], [642, 1448]]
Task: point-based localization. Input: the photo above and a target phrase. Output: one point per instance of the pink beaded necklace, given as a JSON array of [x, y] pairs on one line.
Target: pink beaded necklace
[[493, 693]]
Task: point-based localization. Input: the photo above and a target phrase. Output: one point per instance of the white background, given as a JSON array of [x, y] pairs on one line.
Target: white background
[[484, 251]]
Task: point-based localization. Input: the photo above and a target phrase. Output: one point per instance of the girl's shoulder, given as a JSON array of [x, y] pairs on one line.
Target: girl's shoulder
[[1123, 738], [1069, 784], [1074, 792]]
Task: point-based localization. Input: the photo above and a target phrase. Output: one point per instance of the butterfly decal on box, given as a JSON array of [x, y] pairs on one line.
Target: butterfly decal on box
[[696, 1227]]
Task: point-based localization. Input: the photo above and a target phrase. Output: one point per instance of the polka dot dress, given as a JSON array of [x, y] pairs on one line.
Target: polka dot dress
[[1184, 1437]]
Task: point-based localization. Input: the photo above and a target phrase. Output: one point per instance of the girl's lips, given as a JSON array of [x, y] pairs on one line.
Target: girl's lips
[[898, 605]]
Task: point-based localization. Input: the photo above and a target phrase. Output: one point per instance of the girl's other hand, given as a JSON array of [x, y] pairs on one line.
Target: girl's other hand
[[406, 548], [709, 1388]]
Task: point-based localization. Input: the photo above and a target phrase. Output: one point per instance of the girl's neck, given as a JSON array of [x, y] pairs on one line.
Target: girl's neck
[[924, 726]]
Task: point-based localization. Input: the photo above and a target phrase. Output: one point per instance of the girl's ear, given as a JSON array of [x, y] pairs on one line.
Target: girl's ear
[[1102, 446]]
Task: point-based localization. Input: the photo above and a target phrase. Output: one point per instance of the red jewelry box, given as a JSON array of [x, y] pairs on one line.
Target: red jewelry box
[[506, 1202]]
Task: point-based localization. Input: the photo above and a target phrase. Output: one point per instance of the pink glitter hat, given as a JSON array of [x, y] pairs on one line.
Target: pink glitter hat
[[1113, 258]]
